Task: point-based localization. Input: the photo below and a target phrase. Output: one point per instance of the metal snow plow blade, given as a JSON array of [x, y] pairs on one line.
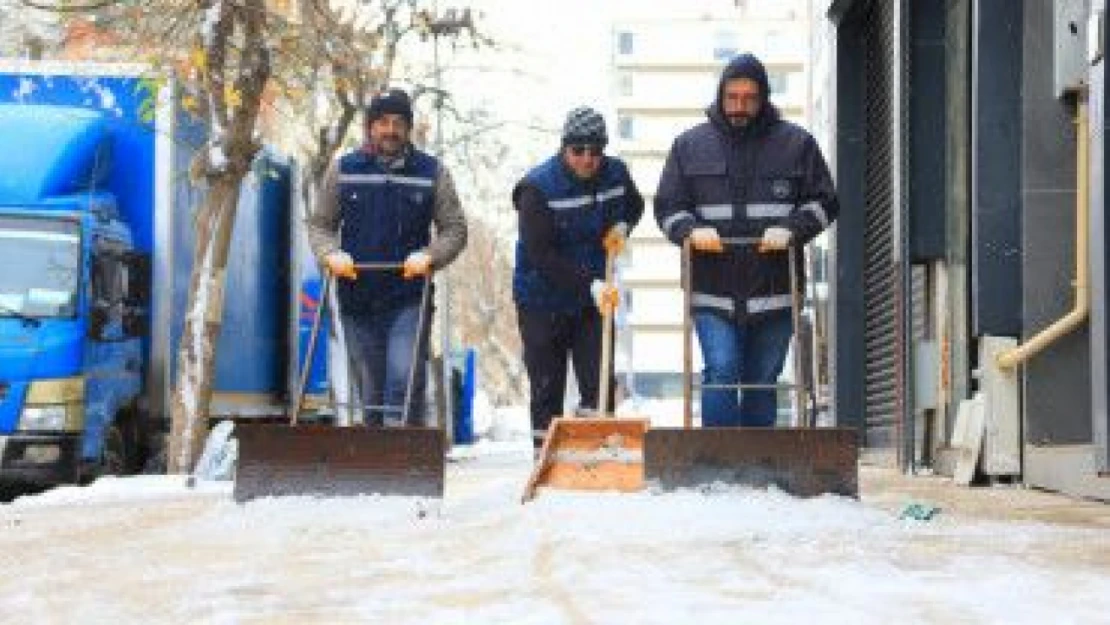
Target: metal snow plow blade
[[801, 461], [327, 461], [604, 454]]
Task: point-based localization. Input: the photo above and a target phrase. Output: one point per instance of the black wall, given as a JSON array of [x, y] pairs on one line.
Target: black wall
[[1057, 392]]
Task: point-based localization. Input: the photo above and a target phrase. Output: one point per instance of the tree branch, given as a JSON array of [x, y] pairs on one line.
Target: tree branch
[[70, 8]]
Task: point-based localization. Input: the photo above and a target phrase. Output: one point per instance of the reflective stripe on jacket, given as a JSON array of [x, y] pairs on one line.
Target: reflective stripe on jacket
[[581, 212], [385, 215]]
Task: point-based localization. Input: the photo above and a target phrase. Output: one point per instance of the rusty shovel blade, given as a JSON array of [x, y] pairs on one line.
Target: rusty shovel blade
[[801, 461], [326, 461]]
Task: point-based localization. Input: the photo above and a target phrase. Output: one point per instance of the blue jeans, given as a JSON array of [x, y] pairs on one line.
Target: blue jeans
[[751, 353], [380, 346]]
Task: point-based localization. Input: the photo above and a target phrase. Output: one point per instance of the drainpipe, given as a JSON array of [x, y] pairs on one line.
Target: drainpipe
[[1011, 358]]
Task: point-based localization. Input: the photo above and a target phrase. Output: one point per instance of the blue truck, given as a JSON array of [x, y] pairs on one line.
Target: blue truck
[[96, 245]]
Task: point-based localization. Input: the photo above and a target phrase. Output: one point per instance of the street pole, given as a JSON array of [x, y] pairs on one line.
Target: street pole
[[444, 279], [451, 23]]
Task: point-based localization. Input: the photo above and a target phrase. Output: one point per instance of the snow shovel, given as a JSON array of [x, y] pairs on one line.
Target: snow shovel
[[328, 460], [594, 454], [802, 459]]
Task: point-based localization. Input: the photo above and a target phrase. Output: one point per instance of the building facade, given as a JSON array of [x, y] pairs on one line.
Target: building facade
[[665, 70], [969, 325]]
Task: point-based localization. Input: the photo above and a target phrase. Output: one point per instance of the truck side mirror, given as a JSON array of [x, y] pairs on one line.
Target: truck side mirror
[[138, 279]]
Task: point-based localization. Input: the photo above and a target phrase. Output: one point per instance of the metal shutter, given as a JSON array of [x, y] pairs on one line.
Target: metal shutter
[[881, 331]]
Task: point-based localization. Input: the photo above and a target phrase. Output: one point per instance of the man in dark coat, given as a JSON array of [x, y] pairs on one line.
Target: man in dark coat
[[760, 182]]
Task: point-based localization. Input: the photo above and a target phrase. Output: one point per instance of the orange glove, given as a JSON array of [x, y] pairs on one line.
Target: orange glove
[[341, 265], [775, 239], [706, 239], [417, 265], [606, 297], [615, 238]]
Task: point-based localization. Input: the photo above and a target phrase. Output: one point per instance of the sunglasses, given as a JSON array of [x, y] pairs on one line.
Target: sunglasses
[[592, 150]]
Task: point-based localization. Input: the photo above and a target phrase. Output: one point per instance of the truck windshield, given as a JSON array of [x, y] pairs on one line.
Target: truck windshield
[[42, 262]]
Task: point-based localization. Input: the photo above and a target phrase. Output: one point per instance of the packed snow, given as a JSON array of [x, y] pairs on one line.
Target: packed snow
[[150, 549]]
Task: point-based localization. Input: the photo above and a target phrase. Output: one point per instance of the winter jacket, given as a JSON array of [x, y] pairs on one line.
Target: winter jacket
[[383, 214], [740, 181], [562, 223]]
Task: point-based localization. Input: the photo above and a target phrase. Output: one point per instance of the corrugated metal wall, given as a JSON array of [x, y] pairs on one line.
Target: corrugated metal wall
[[881, 380]]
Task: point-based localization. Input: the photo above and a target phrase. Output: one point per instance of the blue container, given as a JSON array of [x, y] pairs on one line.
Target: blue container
[[464, 398], [252, 350]]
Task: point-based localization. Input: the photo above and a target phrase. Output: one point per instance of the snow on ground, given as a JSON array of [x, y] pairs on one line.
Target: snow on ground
[[150, 550]]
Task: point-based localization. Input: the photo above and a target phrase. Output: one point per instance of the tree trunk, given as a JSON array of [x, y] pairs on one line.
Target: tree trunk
[[196, 354]]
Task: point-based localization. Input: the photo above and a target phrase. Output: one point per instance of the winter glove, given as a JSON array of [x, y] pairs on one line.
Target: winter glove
[[615, 239], [775, 238], [341, 265], [606, 296], [417, 265], [706, 239]]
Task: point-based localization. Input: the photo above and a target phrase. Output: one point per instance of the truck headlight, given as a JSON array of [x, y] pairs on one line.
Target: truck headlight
[[51, 418], [54, 405]]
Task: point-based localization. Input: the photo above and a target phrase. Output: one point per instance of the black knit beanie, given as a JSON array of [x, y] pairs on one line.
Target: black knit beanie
[[393, 101]]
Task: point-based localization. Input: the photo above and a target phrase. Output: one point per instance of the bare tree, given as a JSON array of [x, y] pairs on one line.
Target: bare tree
[[232, 66], [239, 62]]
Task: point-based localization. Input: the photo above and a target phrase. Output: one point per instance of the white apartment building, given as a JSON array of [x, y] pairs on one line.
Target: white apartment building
[[665, 70]]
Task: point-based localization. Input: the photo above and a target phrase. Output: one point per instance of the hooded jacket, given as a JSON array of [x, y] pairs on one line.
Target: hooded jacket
[[741, 181]]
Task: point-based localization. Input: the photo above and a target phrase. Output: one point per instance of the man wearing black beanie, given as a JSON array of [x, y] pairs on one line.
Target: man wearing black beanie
[[378, 204], [744, 174], [572, 209]]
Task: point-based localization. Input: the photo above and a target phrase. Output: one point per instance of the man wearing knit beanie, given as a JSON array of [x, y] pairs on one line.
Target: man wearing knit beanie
[[390, 101], [378, 204], [573, 209], [744, 174], [584, 126]]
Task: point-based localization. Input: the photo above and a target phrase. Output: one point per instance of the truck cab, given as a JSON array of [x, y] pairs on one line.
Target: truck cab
[[73, 301], [96, 257]]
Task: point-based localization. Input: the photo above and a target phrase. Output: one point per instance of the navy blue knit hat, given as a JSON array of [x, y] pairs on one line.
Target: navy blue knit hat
[[393, 101]]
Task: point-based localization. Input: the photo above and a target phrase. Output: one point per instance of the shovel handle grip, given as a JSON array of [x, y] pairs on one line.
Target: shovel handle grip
[[379, 266]]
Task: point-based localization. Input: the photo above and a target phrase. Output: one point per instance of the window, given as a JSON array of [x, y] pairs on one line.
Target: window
[[625, 127], [48, 255], [624, 84], [659, 384], [625, 42], [777, 82], [725, 45]]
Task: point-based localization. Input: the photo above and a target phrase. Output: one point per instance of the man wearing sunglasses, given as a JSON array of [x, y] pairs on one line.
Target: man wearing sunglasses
[[572, 209], [743, 174], [378, 204]]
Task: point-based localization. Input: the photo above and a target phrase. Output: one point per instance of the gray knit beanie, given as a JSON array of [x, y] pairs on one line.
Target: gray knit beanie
[[584, 125]]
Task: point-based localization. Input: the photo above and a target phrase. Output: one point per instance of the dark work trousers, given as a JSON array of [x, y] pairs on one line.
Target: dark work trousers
[[381, 347], [549, 339]]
